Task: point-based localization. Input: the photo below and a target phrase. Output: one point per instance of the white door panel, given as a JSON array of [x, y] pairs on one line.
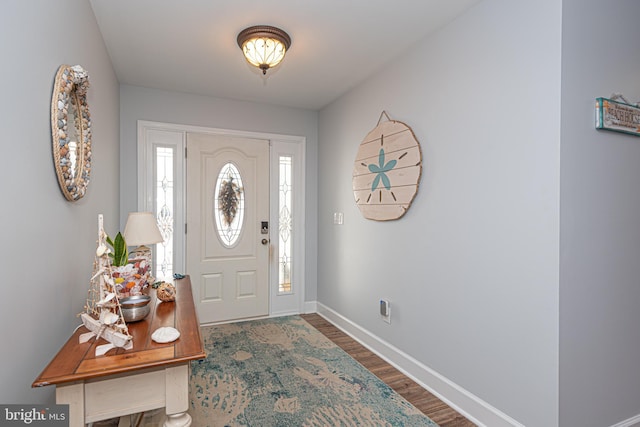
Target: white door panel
[[230, 280]]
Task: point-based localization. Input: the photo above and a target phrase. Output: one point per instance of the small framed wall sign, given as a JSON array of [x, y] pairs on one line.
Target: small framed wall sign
[[617, 116]]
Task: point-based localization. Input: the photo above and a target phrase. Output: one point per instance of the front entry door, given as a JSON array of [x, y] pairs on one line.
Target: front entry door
[[227, 249]]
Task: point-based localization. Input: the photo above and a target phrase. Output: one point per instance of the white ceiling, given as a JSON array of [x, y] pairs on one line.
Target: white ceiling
[[190, 45]]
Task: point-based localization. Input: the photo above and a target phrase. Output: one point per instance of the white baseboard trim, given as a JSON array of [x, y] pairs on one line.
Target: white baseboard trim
[[284, 313], [310, 307], [466, 403], [633, 421]]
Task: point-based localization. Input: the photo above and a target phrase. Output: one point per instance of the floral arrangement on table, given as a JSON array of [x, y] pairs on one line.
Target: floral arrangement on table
[[130, 275]]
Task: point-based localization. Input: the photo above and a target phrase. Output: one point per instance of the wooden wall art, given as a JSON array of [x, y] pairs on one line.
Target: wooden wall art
[[387, 170]]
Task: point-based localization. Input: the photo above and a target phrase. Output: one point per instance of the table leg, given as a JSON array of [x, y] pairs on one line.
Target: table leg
[[72, 395], [178, 420], [177, 395]]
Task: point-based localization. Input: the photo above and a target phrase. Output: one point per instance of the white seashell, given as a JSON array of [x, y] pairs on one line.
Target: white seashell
[[102, 249], [107, 298], [128, 268], [165, 334], [108, 318], [99, 272]]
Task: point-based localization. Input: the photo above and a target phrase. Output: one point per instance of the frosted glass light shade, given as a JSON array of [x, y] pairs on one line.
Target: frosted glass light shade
[[142, 229], [264, 46]]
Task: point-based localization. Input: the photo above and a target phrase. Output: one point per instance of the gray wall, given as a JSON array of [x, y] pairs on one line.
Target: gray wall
[[137, 103], [514, 274], [600, 213], [472, 268], [48, 243]]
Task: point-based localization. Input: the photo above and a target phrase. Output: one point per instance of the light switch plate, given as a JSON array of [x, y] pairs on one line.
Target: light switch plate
[[338, 218]]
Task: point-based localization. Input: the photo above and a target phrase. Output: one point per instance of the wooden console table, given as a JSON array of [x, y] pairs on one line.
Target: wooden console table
[[122, 382]]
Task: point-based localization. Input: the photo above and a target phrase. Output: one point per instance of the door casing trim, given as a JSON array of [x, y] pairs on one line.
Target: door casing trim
[[276, 141]]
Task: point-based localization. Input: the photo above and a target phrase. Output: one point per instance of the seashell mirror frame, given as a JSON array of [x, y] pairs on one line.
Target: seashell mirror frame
[[69, 109]]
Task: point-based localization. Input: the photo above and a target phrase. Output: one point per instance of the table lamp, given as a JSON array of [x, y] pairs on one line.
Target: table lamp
[[141, 230]]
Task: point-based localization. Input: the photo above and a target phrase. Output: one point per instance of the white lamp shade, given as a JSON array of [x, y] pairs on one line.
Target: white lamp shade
[[142, 229]]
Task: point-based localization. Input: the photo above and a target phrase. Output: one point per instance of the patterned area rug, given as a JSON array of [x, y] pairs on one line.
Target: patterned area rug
[[284, 372]]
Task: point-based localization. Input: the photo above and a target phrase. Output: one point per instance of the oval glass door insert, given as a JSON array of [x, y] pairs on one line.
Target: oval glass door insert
[[229, 205]]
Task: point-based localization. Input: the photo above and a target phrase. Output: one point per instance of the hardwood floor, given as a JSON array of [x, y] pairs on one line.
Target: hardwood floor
[[422, 399]]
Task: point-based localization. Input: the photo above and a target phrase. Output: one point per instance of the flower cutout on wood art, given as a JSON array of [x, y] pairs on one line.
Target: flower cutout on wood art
[[381, 171]]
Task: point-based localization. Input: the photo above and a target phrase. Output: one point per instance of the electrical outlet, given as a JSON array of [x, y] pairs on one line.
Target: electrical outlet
[[385, 310]]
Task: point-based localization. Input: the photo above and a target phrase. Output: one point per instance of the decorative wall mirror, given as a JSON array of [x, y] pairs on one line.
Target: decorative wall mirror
[[71, 131]]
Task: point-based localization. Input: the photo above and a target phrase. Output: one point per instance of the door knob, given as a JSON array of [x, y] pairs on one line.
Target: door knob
[[265, 241]]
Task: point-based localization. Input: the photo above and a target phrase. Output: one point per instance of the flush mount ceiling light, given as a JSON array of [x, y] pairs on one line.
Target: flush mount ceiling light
[[264, 46]]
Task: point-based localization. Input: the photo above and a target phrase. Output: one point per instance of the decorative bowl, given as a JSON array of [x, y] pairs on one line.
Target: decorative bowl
[[135, 308]]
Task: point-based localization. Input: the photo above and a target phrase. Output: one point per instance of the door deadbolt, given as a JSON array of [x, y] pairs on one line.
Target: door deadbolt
[[265, 241]]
